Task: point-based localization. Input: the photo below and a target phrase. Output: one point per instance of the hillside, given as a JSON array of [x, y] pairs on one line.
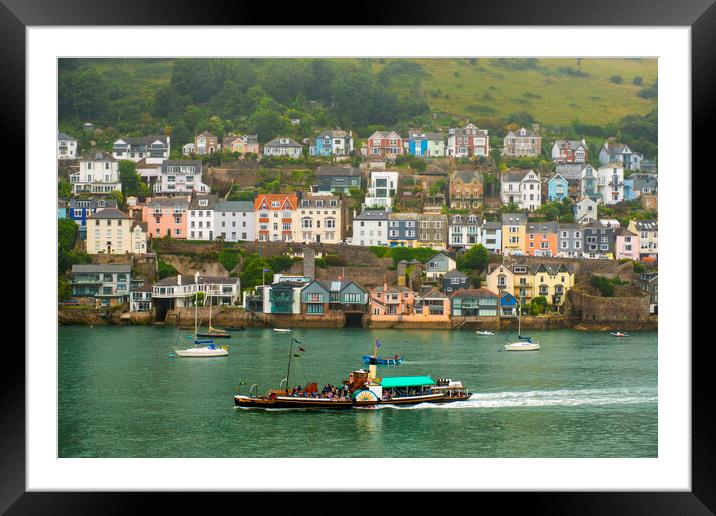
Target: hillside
[[184, 96]]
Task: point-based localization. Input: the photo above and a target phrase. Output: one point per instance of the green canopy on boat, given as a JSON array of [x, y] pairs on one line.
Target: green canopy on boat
[[406, 381]]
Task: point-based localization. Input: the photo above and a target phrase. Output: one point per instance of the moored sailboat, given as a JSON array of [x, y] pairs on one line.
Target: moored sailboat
[[210, 350], [524, 343], [214, 333]]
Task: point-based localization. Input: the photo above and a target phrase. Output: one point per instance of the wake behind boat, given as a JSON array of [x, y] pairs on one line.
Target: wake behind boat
[[486, 333]]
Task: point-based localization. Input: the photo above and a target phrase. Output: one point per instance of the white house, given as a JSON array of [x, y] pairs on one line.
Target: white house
[[492, 236], [234, 221], [522, 187], [152, 149], [610, 183], [188, 149], [370, 228], [180, 177], [177, 291], [283, 147], [382, 188], [570, 151], [98, 174], [620, 152], [465, 231], [201, 218], [66, 146], [585, 211]]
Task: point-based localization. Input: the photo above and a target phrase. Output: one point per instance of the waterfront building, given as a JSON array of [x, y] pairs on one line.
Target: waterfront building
[[552, 281], [320, 219], [514, 229], [454, 280], [464, 231], [438, 265], [370, 228], [541, 239], [235, 221], [492, 236], [322, 296], [98, 174], [150, 149], [474, 302], [338, 179], [166, 216], [466, 190], [522, 187], [180, 177], [382, 188], [570, 240], [332, 143], [283, 296], [649, 282], [275, 217], [389, 300], [403, 229], [110, 231], [101, 284], [648, 232], [201, 217], [66, 146], [527, 281], [140, 298], [180, 292], [432, 304], [508, 305]]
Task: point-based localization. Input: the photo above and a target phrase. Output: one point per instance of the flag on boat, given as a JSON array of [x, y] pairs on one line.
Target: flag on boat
[[301, 350], [267, 270], [378, 343]]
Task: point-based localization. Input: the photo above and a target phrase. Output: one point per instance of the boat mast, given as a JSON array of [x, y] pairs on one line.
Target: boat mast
[[196, 304], [290, 351], [207, 297]]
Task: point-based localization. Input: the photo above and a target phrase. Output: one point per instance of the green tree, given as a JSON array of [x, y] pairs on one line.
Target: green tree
[[132, 184], [252, 271], [476, 258], [166, 270], [64, 289], [64, 189], [66, 234]]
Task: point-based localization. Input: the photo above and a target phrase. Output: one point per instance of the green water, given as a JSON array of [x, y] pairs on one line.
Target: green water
[[123, 394]]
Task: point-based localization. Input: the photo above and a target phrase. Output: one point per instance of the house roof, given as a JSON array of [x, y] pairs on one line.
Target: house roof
[[372, 215], [146, 140], [513, 175], [432, 294], [94, 202], [338, 171], [646, 225], [312, 201], [97, 155], [109, 213], [390, 289], [514, 219], [492, 225], [171, 281], [234, 206], [439, 253], [169, 201], [570, 144], [467, 176], [194, 204], [206, 134], [182, 163], [473, 292], [143, 225], [106, 267], [454, 274], [337, 285], [277, 142], [292, 200], [65, 137], [570, 171], [542, 227]]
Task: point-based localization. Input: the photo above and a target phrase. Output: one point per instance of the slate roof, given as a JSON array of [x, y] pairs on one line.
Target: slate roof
[[542, 227], [109, 213], [473, 293], [372, 215], [513, 175], [276, 142], [646, 225], [107, 267], [65, 137], [338, 171], [454, 274], [514, 219], [97, 155], [570, 144], [234, 206], [467, 176], [194, 204], [171, 281]]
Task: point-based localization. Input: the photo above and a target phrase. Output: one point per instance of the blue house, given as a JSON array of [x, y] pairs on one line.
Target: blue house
[[508, 305], [557, 188], [61, 210], [332, 143], [425, 144], [629, 194], [80, 209]]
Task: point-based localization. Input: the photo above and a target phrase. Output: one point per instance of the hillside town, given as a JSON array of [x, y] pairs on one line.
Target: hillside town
[[439, 229]]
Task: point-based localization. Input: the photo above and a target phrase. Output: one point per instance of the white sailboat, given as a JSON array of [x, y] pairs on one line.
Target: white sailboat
[[523, 343], [201, 351]]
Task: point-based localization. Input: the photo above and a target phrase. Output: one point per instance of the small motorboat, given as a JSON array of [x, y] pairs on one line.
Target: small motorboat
[[486, 332], [396, 360], [618, 334], [281, 330]]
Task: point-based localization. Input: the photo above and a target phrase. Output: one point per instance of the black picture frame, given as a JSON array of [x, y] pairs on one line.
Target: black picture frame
[[16, 15]]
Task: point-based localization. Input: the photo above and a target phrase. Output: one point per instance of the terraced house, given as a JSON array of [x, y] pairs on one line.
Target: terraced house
[[466, 190], [467, 141], [166, 216], [275, 217], [465, 231], [648, 231], [514, 232], [320, 219], [541, 239], [599, 241], [101, 284], [235, 221], [432, 230], [180, 177], [527, 281], [111, 231], [370, 228], [403, 229], [492, 236], [201, 217], [81, 208], [570, 240], [610, 183]]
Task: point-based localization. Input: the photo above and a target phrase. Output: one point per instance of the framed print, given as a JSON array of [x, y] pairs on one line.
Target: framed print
[[351, 241]]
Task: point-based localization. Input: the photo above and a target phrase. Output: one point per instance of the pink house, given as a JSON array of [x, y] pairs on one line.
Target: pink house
[[388, 303], [166, 216], [627, 245]]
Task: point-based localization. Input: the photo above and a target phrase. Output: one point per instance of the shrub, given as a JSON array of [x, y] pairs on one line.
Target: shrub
[[603, 285], [166, 270], [616, 79], [229, 258], [334, 260], [280, 262], [638, 267]]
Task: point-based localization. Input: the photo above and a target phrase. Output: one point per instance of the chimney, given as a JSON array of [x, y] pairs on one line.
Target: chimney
[[196, 277], [179, 279]]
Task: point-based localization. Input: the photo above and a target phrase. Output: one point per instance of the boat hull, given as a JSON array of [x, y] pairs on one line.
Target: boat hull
[[518, 346], [201, 352], [214, 335], [288, 402]]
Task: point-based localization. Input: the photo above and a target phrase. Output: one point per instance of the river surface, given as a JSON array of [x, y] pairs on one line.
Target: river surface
[[123, 393]]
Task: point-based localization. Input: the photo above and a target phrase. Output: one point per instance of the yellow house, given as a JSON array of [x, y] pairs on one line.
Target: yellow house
[[109, 232], [138, 232], [514, 233], [526, 282]]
